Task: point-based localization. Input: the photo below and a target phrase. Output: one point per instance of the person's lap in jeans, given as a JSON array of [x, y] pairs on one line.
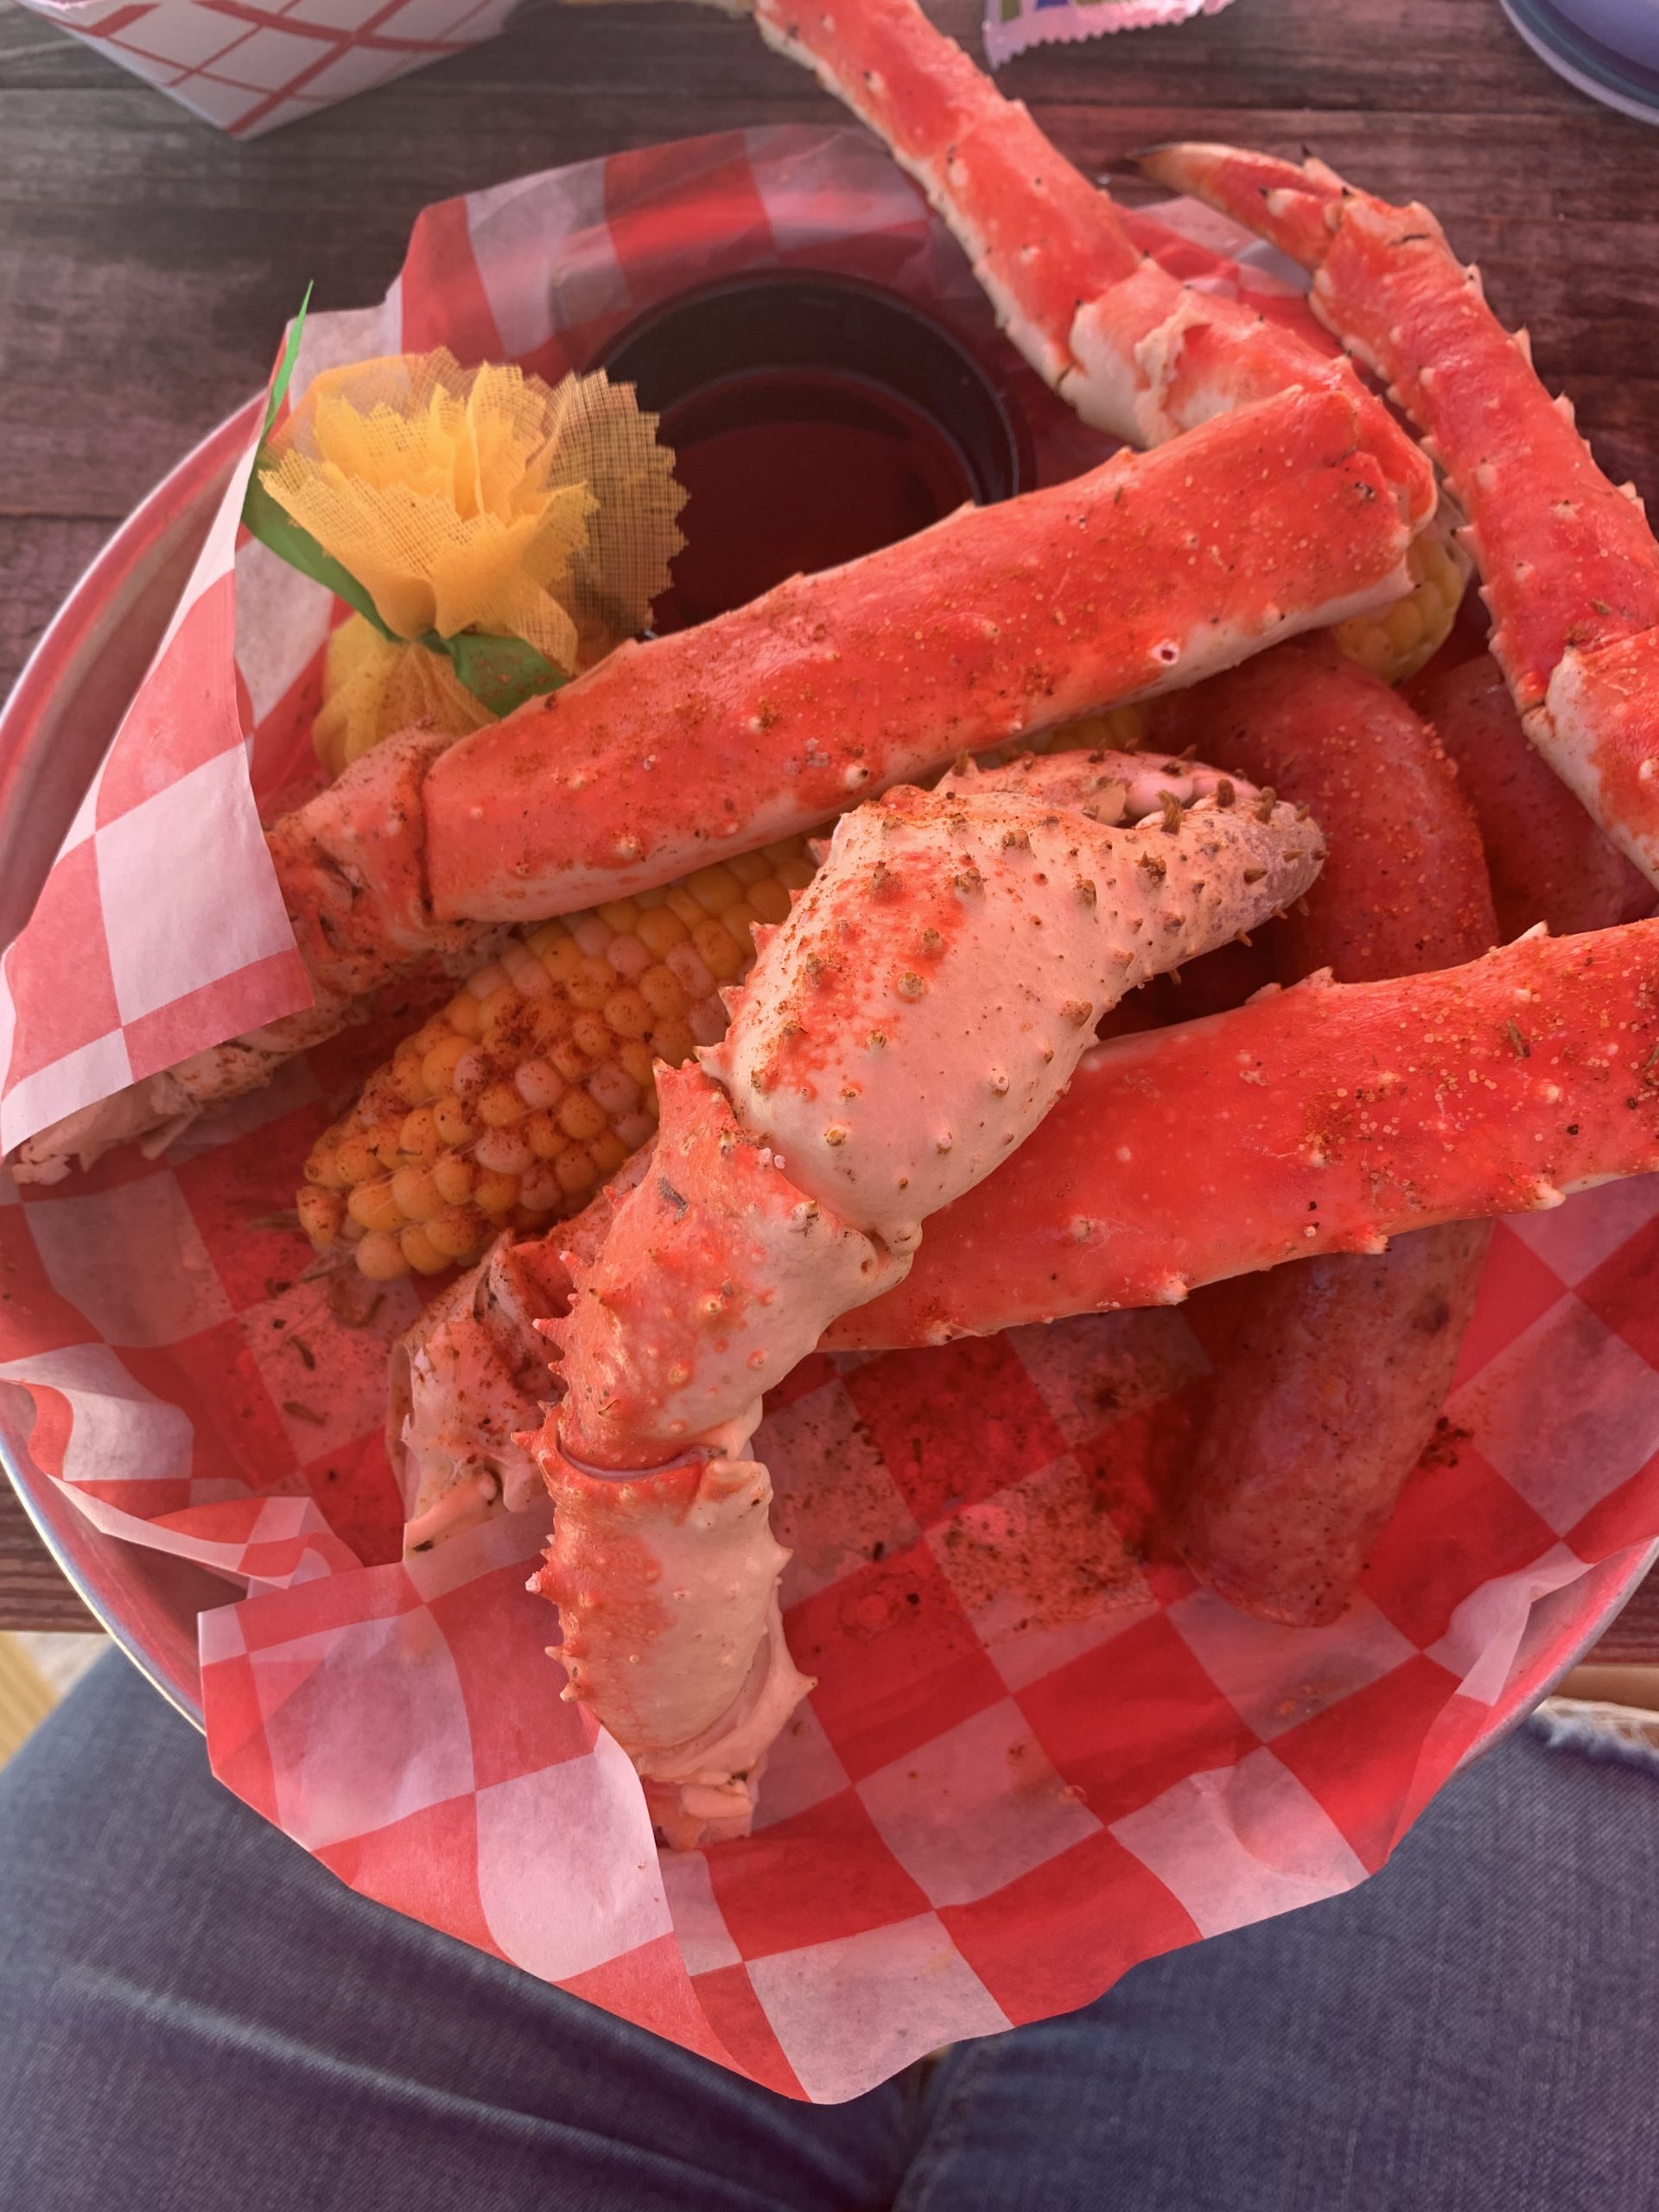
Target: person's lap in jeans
[[194, 2014]]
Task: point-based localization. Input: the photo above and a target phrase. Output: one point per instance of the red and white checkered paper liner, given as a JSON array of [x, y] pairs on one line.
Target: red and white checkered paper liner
[[1012, 1781], [250, 65], [1011, 26]]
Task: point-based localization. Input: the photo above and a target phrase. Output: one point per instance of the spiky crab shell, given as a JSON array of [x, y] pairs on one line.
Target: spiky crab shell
[[1569, 566], [1322, 1119], [1132, 349], [665, 1589], [930, 994], [1146, 573], [717, 1276]]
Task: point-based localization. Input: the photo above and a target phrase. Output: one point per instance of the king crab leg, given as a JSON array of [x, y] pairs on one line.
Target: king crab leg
[[916, 1017], [1132, 349], [1333, 1116], [1147, 573], [471, 1371], [1311, 1145], [1570, 566]]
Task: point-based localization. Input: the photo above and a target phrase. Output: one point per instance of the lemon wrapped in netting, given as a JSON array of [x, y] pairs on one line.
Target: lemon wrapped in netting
[[471, 503]]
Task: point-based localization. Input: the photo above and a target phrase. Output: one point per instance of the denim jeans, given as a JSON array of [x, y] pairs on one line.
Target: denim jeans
[[194, 2014]]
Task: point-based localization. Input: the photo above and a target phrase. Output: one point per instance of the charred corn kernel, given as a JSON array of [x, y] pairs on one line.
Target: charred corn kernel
[[537, 1080], [500, 1106], [540, 1189], [576, 1170], [770, 900], [415, 1244], [1396, 643], [373, 1205], [1114, 729], [627, 1014], [454, 1124], [538, 1083], [438, 1068], [660, 930], [494, 1192], [612, 1089], [407, 1077], [714, 888], [628, 956], [721, 953], [562, 958], [544, 1136], [453, 1176], [570, 1059], [416, 1194], [579, 1116], [690, 969], [500, 1006], [592, 984], [673, 1041], [608, 1151], [637, 1059], [388, 1141], [420, 1137], [355, 1160], [380, 1257], [591, 1035], [459, 1232], [503, 1152], [320, 1215]]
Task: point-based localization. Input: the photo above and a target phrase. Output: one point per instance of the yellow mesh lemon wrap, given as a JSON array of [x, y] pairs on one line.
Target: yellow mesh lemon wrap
[[373, 686], [481, 500]]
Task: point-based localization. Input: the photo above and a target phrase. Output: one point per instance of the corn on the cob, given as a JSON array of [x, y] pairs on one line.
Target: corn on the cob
[[1113, 730], [1405, 637], [534, 1082]]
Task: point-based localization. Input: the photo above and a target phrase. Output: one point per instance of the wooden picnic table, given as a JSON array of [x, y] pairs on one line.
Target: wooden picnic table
[[148, 263]]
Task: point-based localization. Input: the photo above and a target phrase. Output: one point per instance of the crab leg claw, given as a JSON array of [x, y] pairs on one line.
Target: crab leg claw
[[923, 1008], [1132, 349], [1325, 1118], [1534, 1068], [1146, 574], [1570, 566]]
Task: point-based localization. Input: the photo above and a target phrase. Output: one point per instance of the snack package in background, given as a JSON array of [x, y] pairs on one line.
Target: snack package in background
[[1037, 1752], [247, 75], [1011, 26]]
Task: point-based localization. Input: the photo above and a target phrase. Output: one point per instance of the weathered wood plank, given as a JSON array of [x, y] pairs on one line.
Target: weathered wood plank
[[40, 562], [1633, 1639], [33, 1593]]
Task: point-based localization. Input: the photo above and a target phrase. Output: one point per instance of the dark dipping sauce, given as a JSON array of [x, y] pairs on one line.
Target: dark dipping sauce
[[789, 471], [813, 418]]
